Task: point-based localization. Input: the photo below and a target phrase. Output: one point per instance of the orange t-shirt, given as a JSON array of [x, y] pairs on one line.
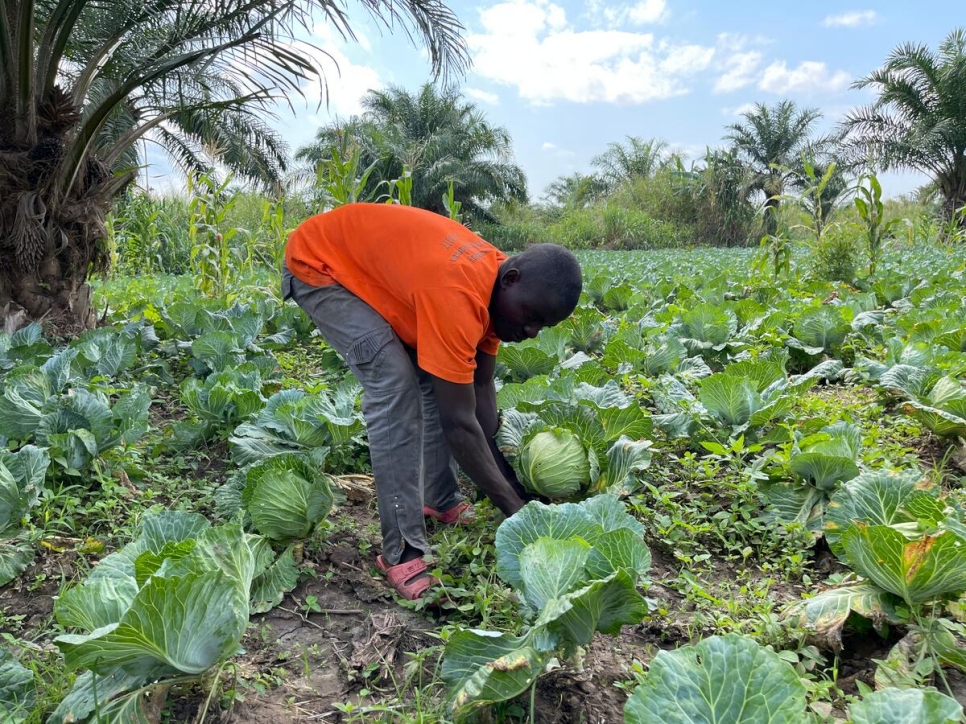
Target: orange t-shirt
[[429, 277]]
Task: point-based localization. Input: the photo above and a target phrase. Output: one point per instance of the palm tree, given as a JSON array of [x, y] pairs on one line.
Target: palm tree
[[637, 159], [771, 142], [435, 136], [919, 120], [81, 82], [576, 191]]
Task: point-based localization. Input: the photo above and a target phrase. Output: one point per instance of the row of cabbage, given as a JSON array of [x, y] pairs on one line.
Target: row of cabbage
[[713, 371], [175, 601]]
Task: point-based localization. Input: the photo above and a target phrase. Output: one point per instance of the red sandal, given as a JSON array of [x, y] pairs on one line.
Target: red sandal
[[402, 577], [462, 512]]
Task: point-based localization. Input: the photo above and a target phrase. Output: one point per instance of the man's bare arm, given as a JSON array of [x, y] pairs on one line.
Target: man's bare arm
[[488, 415], [470, 445]]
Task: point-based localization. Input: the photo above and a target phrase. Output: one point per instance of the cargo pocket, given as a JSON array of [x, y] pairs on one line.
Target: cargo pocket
[[365, 349], [379, 361]]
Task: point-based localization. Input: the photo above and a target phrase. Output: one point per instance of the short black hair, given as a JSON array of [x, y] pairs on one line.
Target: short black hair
[[554, 268]]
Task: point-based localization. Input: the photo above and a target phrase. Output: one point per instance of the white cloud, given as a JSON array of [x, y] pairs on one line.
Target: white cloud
[[810, 76], [852, 19], [687, 59], [482, 96], [739, 71], [530, 45], [738, 110], [607, 14], [554, 151], [648, 11]]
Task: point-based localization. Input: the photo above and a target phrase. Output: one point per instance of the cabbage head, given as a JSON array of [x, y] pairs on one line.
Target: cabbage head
[[556, 464]]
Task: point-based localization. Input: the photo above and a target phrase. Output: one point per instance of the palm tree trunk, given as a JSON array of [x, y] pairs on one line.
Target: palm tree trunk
[[771, 216], [49, 245], [954, 203]]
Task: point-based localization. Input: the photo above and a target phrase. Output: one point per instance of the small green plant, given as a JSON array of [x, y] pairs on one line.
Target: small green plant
[[401, 189], [868, 202], [338, 178], [775, 255], [451, 205], [213, 262], [837, 256]]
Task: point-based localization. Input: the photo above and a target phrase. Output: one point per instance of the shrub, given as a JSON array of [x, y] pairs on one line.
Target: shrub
[[838, 256]]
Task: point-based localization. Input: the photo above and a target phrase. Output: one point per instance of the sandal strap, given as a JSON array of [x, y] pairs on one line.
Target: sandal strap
[[402, 572]]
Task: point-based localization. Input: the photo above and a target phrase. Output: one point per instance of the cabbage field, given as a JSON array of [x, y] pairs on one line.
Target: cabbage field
[[752, 509]]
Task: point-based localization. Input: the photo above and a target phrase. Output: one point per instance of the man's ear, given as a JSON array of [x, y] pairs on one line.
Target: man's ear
[[510, 277]]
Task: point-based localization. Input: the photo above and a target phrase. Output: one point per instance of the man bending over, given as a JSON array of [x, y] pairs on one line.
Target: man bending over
[[417, 305]]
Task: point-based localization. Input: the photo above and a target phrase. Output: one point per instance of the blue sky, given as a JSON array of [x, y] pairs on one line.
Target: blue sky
[[567, 77]]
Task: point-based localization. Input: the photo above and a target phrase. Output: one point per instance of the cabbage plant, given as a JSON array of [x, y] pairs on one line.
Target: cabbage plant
[[554, 463], [25, 346], [76, 424], [576, 568], [285, 497], [165, 608], [727, 679], [18, 691], [907, 543], [222, 400], [293, 421], [900, 706], [818, 464], [21, 482], [576, 439]]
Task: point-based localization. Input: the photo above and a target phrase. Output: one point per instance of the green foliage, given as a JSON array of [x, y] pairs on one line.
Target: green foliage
[[171, 604], [223, 399], [555, 464], [576, 568], [77, 424], [837, 257], [17, 689], [820, 463], [426, 140], [771, 141], [868, 202], [721, 680], [213, 258], [292, 421], [609, 427], [286, 497], [339, 179], [22, 475], [916, 122], [893, 706]]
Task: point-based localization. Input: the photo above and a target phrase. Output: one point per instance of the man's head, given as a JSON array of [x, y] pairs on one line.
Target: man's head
[[537, 288]]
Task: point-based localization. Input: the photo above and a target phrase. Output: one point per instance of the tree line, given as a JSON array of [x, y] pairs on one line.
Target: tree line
[[83, 83]]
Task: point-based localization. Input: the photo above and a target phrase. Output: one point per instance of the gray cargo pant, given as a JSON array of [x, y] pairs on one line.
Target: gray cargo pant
[[411, 460]]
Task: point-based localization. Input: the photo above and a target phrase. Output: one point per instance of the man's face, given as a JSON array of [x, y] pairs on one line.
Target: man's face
[[521, 310]]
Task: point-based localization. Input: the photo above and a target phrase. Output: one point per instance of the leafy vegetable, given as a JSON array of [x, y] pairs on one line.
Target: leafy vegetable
[[172, 603], [225, 398], [555, 464], [286, 497], [17, 689], [720, 680], [899, 706], [21, 482], [577, 568], [603, 421], [293, 421]]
